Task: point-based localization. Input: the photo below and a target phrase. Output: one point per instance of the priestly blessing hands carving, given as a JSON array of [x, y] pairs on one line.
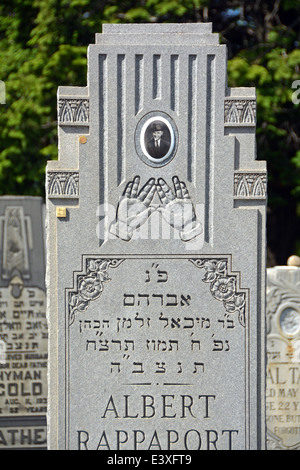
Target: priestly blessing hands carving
[[134, 208], [176, 207]]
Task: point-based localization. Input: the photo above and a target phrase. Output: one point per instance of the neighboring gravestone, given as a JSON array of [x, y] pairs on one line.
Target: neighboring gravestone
[[283, 348], [23, 324], [156, 250]]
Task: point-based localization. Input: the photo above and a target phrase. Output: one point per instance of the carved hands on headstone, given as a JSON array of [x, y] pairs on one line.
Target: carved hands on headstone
[[176, 207], [134, 208]]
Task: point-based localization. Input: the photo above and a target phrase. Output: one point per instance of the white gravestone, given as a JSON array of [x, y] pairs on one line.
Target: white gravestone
[[283, 348], [156, 250]]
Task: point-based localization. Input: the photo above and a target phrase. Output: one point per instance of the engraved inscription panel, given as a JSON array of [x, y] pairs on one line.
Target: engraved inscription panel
[[142, 323], [23, 362]]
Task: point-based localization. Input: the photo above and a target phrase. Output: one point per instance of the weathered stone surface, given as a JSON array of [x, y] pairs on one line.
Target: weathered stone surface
[[23, 324]]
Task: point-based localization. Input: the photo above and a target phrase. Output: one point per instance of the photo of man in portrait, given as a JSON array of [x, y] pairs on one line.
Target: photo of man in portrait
[[157, 139]]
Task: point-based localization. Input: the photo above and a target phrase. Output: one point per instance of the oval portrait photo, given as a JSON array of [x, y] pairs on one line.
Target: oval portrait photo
[[156, 139]]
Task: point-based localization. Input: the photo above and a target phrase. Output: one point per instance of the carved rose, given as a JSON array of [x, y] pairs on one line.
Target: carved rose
[[90, 288], [100, 268], [214, 269], [90, 285], [237, 302], [223, 288]]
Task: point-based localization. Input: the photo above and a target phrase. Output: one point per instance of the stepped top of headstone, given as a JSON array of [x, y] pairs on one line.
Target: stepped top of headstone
[[201, 32], [156, 28]]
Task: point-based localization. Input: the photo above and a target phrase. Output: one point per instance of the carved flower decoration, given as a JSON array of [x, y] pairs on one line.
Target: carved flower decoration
[[223, 288], [89, 284], [214, 269], [274, 298], [90, 288], [237, 302], [99, 267]]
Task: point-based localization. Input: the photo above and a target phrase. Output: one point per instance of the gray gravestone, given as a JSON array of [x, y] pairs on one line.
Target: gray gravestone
[[23, 324], [283, 348], [156, 250]]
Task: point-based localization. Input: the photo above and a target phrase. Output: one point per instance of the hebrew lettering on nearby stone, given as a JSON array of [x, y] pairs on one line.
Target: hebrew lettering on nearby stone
[[23, 324]]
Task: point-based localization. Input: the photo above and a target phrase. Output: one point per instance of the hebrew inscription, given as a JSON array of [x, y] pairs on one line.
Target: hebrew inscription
[[23, 325], [24, 350], [156, 338]]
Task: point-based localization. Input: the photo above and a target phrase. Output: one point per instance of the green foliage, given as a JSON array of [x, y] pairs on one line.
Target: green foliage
[[152, 10], [272, 67], [32, 67], [273, 73]]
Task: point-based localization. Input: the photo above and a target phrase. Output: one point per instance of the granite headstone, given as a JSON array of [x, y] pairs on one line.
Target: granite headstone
[[23, 324], [283, 348], [156, 250]]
